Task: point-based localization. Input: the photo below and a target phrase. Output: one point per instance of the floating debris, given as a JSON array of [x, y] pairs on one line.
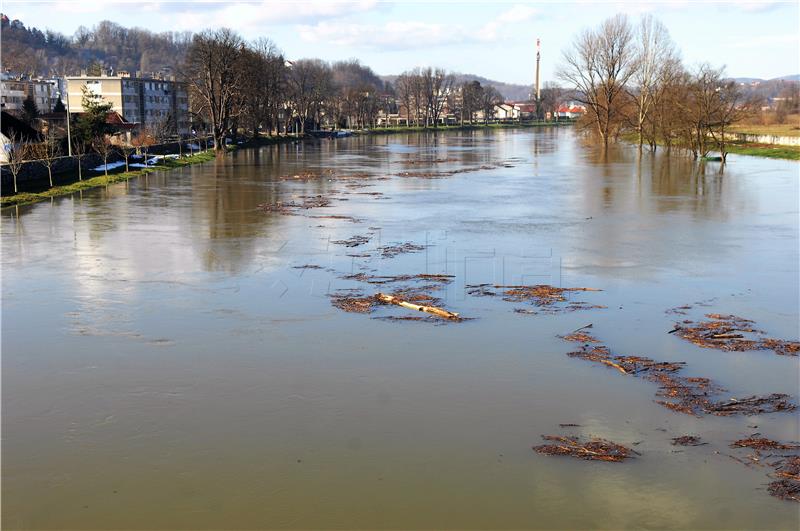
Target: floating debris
[[287, 209], [390, 251], [441, 174], [353, 303], [550, 299], [732, 333], [580, 337], [308, 266], [387, 279], [762, 443], [428, 161], [336, 216], [405, 303], [785, 489], [353, 241], [403, 318], [785, 467], [292, 208], [687, 440], [684, 310], [689, 395], [307, 175], [592, 450]]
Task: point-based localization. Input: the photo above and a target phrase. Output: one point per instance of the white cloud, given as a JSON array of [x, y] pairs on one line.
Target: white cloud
[[390, 35], [247, 17], [514, 15], [407, 35]]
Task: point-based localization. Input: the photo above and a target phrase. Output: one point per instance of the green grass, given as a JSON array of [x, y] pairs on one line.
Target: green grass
[[766, 150], [771, 151], [24, 198]]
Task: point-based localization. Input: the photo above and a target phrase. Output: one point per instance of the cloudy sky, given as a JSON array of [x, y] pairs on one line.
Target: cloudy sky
[[494, 39]]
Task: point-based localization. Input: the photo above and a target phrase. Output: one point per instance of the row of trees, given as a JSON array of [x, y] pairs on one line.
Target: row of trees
[[632, 79], [235, 84]]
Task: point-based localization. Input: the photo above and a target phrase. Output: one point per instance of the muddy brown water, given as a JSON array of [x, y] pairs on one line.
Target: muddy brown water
[[165, 365]]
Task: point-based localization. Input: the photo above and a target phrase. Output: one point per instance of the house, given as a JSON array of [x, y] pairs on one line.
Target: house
[[10, 125], [506, 111], [570, 110], [526, 111], [153, 102], [16, 90]]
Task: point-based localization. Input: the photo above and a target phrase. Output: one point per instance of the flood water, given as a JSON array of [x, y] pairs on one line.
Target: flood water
[[167, 365]]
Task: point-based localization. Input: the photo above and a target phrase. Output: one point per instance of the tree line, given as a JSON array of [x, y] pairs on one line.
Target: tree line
[[632, 80], [236, 85]]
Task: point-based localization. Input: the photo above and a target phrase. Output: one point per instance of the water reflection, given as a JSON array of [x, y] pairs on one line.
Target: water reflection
[[165, 365]]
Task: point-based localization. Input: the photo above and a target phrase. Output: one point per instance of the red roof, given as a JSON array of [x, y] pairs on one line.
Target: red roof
[[114, 118]]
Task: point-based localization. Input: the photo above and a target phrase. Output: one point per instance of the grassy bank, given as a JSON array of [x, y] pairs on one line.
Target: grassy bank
[[787, 129], [24, 198], [771, 151], [766, 150]]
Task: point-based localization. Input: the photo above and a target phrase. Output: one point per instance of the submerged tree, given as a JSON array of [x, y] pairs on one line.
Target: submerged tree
[[599, 65]]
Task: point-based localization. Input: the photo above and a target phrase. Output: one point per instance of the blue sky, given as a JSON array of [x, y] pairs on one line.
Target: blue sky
[[493, 39]]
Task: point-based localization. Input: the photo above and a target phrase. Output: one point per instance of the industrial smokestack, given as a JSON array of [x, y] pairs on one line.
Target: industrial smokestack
[[538, 88]]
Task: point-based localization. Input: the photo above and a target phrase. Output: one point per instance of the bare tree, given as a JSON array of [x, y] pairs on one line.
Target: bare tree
[[599, 65], [103, 147], [215, 76], [16, 154], [655, 58], [552, 97], [310, 86], [405, 93], [79, 152], [489, 98], [437, 85], [47, 152], [127, 149]]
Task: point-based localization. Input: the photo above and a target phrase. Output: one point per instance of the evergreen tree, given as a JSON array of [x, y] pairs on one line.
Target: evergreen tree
[[59, 107], [30, 112], [91, 123]]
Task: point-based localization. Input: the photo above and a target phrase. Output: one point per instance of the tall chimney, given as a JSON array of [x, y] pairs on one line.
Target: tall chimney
[[538, 88]]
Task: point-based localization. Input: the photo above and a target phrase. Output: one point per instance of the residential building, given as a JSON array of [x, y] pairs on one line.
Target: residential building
[[44, 94], [570, 110], [155, 103], [14, 92]]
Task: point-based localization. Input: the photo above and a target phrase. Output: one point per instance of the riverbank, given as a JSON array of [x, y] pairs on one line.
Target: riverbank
[[765, 150], [770, 151], [24, 198]]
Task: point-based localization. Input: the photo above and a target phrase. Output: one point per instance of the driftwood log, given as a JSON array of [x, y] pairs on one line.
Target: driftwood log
[[439, 312]]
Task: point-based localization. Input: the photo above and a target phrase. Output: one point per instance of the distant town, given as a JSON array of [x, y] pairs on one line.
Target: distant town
[[109, 93]]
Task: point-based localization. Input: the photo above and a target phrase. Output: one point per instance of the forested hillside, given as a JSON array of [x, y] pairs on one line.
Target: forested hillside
[[31, 51]]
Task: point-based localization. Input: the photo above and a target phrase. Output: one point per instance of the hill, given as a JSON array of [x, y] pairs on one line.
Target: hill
[[510, 91]]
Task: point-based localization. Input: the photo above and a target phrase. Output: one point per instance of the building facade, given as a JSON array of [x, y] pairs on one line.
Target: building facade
[[16, 90], [153, 103]]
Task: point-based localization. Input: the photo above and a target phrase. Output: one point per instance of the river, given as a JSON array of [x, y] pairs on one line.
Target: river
[[168, 362]]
